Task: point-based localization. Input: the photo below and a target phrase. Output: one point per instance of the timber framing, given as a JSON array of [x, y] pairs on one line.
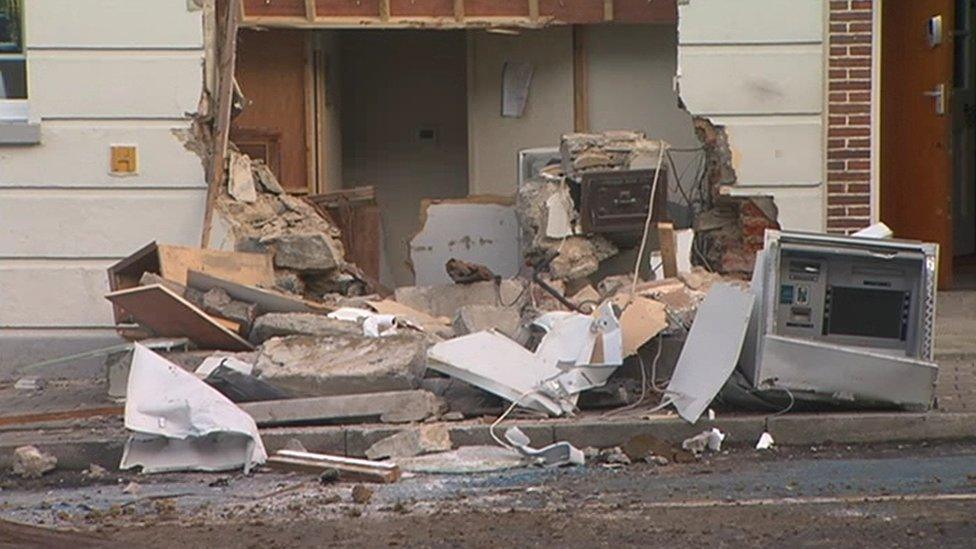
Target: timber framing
[[448, 14]]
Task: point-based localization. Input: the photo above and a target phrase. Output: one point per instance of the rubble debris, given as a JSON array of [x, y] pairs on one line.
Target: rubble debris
[[29, 383], [217, 302], [213, 362], [389, 407], [436, 325], [553, 455], [373, 324], [465, 460], [349, 468], [95, 472], [132, 488], [343, 363], [710, 439], [612, 457], [286, 324], [445, 300], [539, 379], [30, 462], [169, 315], [262, 299], [729, 234], [240, 181], [765, 441], [242, 387], [361, 494], [476, 318], [266, 177], [425, 439], [712, 349], [482, 230], [645, 446], [611, 150], [465, 272], [179, 423]]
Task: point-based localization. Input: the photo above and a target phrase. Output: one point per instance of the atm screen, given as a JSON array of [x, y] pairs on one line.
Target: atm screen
[[866, 312]]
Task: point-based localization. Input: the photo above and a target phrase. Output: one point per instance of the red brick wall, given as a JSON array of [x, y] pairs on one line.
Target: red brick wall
[[849, 115]]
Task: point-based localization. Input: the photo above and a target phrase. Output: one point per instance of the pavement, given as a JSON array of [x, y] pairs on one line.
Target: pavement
[[879, 495], [955, 351]]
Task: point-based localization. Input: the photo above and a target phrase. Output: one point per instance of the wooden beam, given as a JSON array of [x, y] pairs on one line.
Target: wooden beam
[[581, 115], [533, 10], [349, 468], [459, 11], [311, 114], [44, 417], [669, 249], [310, 10], [384, 10], [608, 10], [227, 59]]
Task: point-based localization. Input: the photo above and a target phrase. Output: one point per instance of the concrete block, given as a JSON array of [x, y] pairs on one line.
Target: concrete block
[[445, 300], [324, 440]]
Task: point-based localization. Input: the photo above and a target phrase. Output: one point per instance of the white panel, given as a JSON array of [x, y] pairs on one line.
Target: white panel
[[54, 293], [76, 154], [88, 223], [752, 80], [92, 84], [112, 23], [750, 21], [780, 150], [800, 208]]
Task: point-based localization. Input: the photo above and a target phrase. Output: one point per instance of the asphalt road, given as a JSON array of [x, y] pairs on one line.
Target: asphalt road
[[835, 496]]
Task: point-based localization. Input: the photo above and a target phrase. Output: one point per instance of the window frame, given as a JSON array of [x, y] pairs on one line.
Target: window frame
[[17, 110]]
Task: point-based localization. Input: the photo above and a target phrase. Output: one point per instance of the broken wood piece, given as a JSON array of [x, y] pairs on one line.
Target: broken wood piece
[[267, 301], [390, 407], [334, 199], [641, 320], [169, 315], [349, 468], [669, 249]]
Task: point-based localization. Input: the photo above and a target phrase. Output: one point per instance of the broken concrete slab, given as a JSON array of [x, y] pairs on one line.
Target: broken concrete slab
[[445, 300], [217, 302], [389, 407], [29, 462], [240, 180], [265, 300], [343, 363], [425, 439], [477, 318], [306, 251], [287, 324]]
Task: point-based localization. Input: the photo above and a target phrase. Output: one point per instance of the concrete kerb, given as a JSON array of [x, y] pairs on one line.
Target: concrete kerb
[[76, 452]]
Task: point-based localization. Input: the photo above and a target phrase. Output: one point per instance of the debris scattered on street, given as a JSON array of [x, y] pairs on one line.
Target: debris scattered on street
[[30, 462]]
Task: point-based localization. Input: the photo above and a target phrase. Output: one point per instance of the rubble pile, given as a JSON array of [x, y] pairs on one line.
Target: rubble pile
[[612, 150]]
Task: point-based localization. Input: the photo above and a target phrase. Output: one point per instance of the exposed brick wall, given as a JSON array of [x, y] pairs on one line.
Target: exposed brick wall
[[849, 115]]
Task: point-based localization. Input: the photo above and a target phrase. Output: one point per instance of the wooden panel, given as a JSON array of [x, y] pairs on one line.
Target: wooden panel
[[748, 21], [112, 23], [99, 84], [916, 152], [422, 8], [271, 72], [275, 7], [752, 79], [337, 8], [496, 8], [169, 315], [642, 11], [573, 11]]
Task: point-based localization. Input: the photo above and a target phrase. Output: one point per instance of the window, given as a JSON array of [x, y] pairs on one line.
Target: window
[[13, 61]]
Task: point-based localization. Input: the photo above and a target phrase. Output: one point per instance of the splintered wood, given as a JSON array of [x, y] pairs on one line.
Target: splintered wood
[[349, 468]]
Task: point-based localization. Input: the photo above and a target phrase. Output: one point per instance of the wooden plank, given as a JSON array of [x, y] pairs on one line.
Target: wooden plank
[[224, 103], [169, 315], [581, 96], [459, 10], [267, 301], [404, 406], [311, 115], [43, 417], [608, 10], [356, 195], [175, 262], [534, 10], [384, 10], [376, 471], [669, 249], [310, 10]]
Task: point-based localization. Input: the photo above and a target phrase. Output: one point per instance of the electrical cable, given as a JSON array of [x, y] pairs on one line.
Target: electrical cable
[[647, 221]]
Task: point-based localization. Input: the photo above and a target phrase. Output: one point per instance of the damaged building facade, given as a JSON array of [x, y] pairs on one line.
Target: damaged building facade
[[427, 102]]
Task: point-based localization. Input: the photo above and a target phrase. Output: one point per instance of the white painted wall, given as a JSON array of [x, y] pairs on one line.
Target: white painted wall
[[101, 72], [757, 68]]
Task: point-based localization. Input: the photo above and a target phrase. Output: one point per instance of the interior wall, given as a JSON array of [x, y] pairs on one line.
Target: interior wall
[[394, 85], [495, 140]]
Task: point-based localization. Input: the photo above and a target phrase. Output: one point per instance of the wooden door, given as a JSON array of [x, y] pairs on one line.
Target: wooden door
[[916, 148], [273, 73]]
